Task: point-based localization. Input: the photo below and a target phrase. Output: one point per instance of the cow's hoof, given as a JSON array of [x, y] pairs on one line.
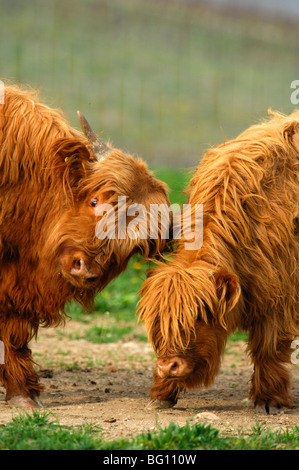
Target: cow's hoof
[[268, 409], [24, 402], [159, 404]]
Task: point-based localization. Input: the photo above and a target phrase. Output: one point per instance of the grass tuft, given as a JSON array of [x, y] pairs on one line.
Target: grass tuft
[[38, 430]]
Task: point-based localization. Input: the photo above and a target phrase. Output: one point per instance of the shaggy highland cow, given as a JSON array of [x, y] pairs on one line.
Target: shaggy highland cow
[[53, 180], [245, 274]]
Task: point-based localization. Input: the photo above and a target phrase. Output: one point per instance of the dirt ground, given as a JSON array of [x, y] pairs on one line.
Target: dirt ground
[[108, 385]]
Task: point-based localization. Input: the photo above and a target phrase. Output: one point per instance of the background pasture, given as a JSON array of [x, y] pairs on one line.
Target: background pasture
[[161, 79]]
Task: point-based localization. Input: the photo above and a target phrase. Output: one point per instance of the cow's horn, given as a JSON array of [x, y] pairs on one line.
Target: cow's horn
[[98, 147]]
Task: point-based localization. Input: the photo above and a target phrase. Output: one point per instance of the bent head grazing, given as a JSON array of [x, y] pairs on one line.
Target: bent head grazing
[[245, 275], [175, 298]]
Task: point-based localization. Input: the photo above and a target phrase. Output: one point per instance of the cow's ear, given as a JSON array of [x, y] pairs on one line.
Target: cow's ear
[[69, 151], [227, 291], [69, 159]]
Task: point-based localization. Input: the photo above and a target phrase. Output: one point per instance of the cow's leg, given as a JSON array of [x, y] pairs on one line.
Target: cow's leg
[[164, 392], [17, 373], [270, 382]]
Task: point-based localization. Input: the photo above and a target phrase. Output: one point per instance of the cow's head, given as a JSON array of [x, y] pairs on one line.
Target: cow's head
[[111, 217], [184, 309]]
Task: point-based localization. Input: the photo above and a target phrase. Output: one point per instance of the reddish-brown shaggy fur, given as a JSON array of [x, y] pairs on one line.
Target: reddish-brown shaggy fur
[[246, 274], [48, 178]]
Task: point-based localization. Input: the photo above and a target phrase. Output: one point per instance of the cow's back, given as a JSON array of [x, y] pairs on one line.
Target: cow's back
[[249, 188]]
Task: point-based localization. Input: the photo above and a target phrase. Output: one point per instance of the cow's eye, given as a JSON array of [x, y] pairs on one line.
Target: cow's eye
[[93, 202]]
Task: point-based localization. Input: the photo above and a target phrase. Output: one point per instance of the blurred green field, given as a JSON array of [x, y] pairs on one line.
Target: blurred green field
[[161, 79]]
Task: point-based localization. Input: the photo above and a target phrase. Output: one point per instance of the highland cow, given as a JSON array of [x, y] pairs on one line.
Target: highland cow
[[53, 179], [245, 276]]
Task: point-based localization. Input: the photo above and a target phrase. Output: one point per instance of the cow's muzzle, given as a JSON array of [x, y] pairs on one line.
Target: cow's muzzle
[[80, 269], [173, 367]]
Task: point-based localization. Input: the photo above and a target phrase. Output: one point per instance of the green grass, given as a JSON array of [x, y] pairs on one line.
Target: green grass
[[238, 336], [111, 334], [40, 431], [204, 437]]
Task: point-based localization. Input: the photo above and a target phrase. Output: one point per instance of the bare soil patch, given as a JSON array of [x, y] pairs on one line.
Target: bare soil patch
[[108, 385]]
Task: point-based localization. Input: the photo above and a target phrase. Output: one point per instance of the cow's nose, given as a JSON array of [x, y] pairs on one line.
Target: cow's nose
[[78, 265], [80, 269], [170, 367]]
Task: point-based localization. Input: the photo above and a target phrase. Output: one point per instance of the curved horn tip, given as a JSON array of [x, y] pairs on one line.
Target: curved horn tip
[[99, 148], [84, 123]]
